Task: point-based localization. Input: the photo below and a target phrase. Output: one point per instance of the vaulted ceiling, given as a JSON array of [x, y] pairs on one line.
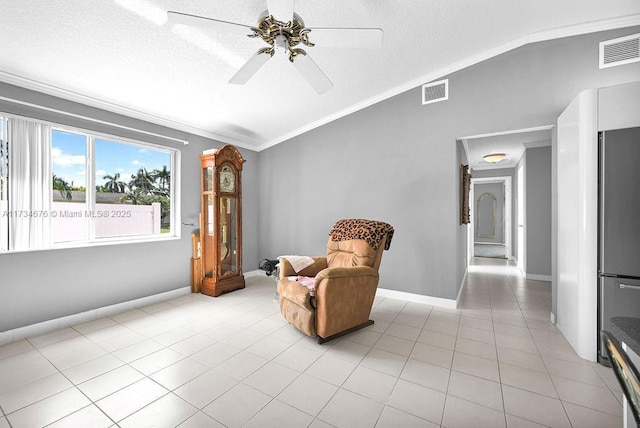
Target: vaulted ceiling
[[125, 56]]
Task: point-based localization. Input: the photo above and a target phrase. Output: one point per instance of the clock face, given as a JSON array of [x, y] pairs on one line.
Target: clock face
[[227, 179]]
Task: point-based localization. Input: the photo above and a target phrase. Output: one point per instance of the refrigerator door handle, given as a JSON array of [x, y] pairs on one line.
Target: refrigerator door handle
[[630, 287]]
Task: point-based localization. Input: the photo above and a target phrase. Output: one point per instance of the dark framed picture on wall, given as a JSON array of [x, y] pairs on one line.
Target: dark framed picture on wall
[[465, 187]]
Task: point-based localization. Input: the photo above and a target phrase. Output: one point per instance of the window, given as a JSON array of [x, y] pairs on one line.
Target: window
[[69, 197], [133, 183], [83, 187]]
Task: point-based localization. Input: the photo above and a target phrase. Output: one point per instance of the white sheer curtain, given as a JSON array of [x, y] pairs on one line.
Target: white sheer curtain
[[29, 184], [4, 178]]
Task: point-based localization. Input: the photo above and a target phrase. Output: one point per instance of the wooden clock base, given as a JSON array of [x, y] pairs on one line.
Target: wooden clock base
[[214, 288]]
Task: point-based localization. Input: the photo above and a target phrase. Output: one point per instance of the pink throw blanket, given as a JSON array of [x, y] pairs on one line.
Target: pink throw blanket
[[309, 282]]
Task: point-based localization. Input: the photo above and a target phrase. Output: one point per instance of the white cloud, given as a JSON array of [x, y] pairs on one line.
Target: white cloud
[[101, 173], [136, 162], [64, 160]]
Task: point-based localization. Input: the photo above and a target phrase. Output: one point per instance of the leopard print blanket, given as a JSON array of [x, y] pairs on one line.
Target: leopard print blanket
[[371, 231]]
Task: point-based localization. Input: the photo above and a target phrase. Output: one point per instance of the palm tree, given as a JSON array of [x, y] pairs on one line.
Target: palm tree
[[113, 184], [162, 176], [133, 195], [143, 181], [61, 185]]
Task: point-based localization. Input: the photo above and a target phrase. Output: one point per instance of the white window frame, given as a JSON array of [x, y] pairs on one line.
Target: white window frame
[[174, 184]]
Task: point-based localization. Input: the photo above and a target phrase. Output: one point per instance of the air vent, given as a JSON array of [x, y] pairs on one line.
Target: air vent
[[624, 50], [435, 91]]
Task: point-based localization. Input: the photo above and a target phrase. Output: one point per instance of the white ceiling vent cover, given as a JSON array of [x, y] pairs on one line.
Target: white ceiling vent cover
[[435, 91], [623, 50]]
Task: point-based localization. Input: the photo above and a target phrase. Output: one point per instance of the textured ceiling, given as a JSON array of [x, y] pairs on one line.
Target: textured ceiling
[[511, 143], [124, 56]]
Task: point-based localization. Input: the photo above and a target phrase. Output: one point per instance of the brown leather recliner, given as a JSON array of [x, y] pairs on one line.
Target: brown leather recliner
[[345, 281]]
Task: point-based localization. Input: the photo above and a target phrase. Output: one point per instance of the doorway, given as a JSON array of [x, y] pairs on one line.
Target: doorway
[[490, 231], [511, 144]]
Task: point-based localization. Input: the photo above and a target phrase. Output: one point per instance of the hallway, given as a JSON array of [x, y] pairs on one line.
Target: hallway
[[542, 378]]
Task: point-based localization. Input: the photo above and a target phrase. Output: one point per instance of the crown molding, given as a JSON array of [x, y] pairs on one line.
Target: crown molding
[[488, 180], [509, 132], [72, 96], [556, 33], [508, 165]]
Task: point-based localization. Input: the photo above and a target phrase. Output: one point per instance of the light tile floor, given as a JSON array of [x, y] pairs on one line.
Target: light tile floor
[[232, 361]]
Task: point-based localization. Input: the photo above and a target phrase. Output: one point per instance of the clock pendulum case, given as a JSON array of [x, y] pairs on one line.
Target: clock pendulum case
[[221, 227]]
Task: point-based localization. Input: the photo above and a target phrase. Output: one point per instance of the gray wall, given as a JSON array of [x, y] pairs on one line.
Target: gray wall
[[397, 160], [41, 285], [538, 193], [485, 216]]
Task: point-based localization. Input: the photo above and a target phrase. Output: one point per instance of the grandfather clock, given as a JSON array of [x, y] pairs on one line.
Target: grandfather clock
[[221, 228]]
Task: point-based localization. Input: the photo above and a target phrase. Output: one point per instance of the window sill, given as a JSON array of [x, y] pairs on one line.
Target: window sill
[[100, 243]]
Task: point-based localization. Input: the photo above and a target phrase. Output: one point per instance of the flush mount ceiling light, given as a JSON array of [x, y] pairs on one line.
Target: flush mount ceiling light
[[494, 157]]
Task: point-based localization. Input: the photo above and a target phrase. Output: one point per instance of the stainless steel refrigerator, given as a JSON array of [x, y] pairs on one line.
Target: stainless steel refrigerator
[[618, 228]]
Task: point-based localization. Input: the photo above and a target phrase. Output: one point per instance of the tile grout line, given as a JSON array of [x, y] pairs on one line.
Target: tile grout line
[[494, 300], [395, 384], [504, 407], [73, 385], [446, 393], [289, 384], [547, 371], [5, 417]]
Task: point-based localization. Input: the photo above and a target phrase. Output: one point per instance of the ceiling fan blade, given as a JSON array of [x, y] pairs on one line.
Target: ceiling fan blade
[[250, 68], [201, 21], [310, 70], [282, 10], [367, 38]]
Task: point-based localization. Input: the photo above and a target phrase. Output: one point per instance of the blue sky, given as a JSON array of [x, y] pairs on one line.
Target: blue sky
[[68, 152]]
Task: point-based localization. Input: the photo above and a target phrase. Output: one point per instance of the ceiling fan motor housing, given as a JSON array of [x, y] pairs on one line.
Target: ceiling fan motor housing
[[280, 43], [282, 36]]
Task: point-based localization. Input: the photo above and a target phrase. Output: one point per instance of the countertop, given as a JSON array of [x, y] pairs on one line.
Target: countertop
[[627, 330]]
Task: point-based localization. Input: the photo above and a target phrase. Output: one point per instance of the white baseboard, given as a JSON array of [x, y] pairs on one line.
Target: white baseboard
[[417, 298], [79, 318], [82, 317], [462, 285], [535, 277]]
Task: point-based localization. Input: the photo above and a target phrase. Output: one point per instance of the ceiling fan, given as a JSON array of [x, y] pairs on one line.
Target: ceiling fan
[[284, 31]]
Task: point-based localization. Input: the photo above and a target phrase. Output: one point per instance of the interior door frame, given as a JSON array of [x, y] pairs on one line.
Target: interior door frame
[[507, 209], [521, 216]]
